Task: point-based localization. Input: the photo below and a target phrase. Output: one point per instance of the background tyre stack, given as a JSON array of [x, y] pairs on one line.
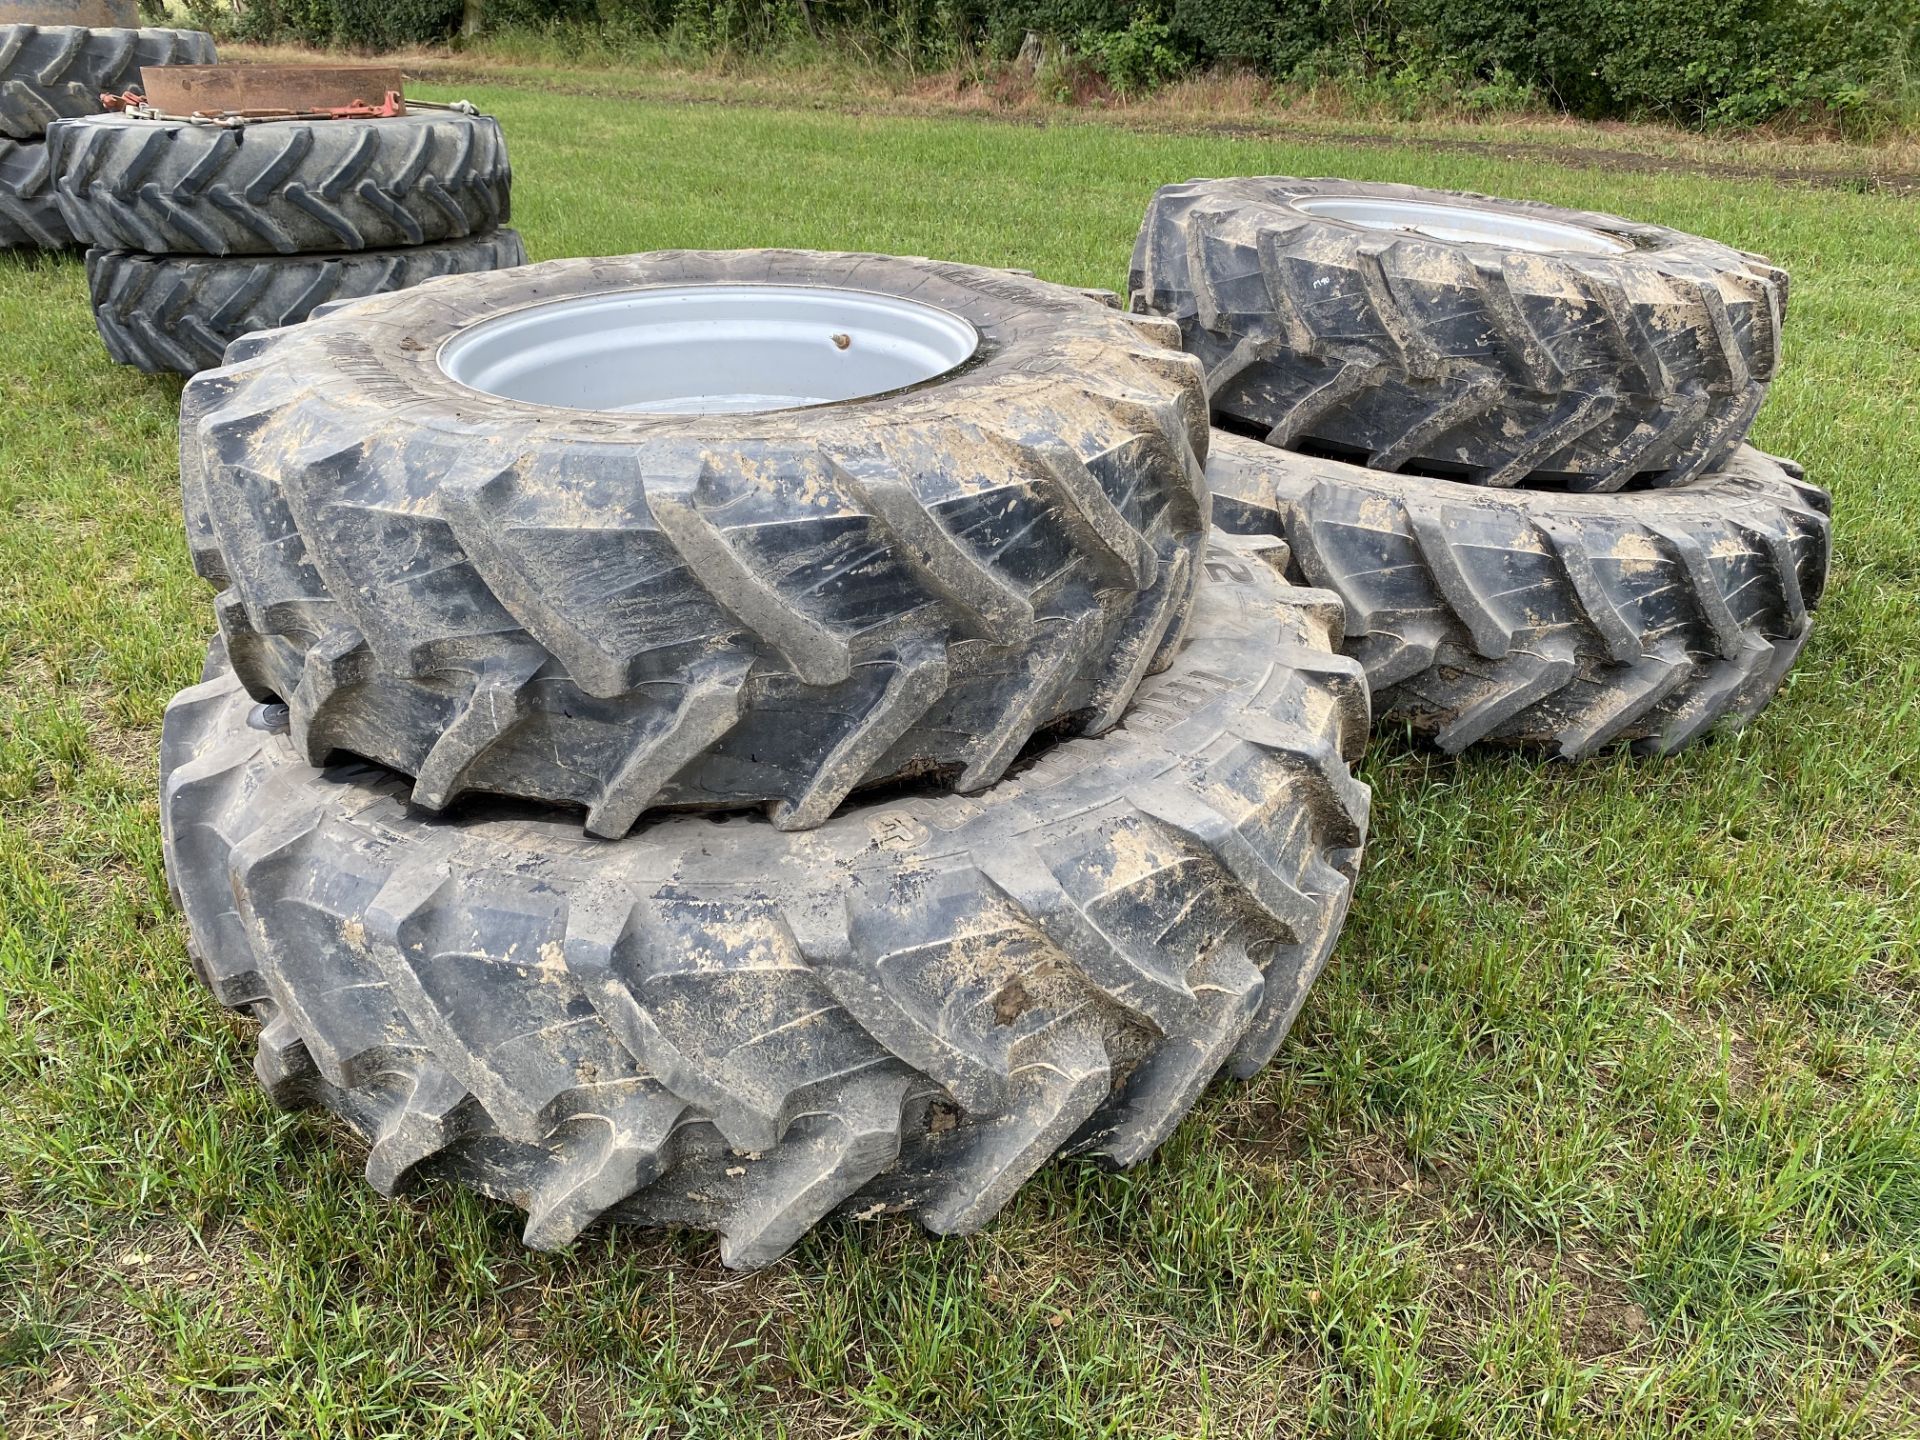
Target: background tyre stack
[[56, 59], [1510, 437], [197, 238]]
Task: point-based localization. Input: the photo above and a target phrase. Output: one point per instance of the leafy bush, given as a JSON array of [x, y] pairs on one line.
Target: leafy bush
[[362, 24], [1697, 62], [1137, 58], [1692, 61]]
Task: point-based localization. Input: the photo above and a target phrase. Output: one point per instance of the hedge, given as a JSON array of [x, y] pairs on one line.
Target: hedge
[[1697, 62]]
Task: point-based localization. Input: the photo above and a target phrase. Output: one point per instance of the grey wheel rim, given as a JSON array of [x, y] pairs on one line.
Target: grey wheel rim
[[1462, 224], [710, 349]]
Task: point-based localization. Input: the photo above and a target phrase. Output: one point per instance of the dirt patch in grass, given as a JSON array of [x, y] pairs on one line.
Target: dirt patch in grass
[[133, 750], [104, 1331], [1604, 1321]]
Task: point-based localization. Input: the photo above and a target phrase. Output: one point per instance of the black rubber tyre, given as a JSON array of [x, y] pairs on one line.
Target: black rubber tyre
[[619, 611], [29, 215], [281, 188], [1569, 621], [180, 312], [1465, 359], [716, 1025], [51, 72]]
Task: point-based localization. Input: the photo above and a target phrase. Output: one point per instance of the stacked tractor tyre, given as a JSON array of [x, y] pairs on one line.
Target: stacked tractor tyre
[[1511, 437], [727, 739], [200, 231], [58, 70]]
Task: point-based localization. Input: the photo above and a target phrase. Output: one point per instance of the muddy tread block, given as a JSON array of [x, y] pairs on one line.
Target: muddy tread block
[[1566, 622], [726, 1026]]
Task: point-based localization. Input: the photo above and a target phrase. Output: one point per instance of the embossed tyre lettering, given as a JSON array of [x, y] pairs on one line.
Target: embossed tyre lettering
[[1498, 342], [511, 533], [1568, 622], [715, 1024]]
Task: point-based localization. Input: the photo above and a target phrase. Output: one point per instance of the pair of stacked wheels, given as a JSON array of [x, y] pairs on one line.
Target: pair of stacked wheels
[[202, 232], [696, 550], [52, 71], [1510, 437]]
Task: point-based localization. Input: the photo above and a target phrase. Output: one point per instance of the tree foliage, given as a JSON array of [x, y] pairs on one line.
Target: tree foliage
[[1694, 62]]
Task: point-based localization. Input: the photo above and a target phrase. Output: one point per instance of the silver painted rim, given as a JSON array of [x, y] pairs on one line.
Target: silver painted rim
[[709, 349], [1462, 224]]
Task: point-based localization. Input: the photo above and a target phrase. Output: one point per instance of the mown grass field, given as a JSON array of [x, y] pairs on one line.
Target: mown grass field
[[1605, 1121]]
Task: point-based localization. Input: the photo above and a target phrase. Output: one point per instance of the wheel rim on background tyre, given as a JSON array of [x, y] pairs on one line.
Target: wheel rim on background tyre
[[717, 1025], [1462, 223]]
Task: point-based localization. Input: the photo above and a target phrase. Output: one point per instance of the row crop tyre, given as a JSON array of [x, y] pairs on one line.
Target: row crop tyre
[[51, 72], [179, 313], [1504, 343], [626, 610], [1567, 622], [29, 214], [283, 187], [717, 1025]]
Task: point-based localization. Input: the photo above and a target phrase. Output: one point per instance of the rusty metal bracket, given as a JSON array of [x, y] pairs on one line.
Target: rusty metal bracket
[[266, 89], [236, 95], [136, 106]]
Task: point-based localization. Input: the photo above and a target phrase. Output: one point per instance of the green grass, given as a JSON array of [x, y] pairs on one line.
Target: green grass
[[1606, 1119]]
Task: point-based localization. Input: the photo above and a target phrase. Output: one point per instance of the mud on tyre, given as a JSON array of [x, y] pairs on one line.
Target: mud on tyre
[[717, 1025], [1496, 341], [1569, 622], [624, 609]]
